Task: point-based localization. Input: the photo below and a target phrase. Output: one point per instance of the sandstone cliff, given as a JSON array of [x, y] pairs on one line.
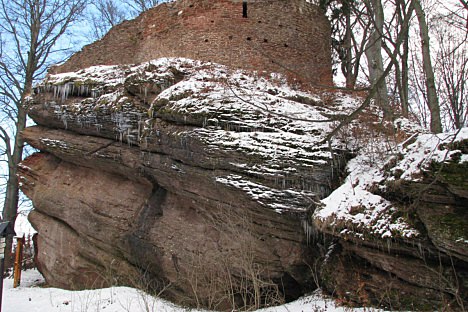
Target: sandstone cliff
[[189, 173], [404, 213], [215, 186], [201, 182]]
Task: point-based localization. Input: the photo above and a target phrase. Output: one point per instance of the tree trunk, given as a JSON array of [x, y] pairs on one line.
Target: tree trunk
[[403, 81], [374, 57], [432, 99], [35, 27], [10, 207], [404, 93], [350, 81]]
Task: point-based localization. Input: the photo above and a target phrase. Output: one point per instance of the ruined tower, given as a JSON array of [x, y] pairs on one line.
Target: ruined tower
[[291, 37]]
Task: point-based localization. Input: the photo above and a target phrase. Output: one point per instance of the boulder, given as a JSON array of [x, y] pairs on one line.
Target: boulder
[[174, 175]]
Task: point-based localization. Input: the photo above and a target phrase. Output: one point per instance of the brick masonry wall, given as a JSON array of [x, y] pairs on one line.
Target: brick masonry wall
[[286, 36]]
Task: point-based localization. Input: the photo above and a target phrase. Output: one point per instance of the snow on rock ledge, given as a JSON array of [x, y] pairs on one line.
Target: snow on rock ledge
[[418, 153], [352, 209], [256, 126], [359, 206]]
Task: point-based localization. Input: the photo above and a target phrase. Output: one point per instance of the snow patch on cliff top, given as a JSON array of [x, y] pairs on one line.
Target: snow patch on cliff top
[[428, 148], [353, 208]]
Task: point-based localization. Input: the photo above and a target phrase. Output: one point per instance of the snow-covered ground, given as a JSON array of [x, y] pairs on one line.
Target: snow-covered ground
[[31, 297]]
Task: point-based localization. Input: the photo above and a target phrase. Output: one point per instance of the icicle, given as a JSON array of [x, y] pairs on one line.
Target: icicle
[[139, 127], [307, 230], [129, 141], [65, 89], [64, 120]]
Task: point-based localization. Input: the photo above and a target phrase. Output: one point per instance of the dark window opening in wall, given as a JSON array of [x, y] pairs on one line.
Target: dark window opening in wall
[[248, 38], [265, 40], [286, 45], [244, 9]]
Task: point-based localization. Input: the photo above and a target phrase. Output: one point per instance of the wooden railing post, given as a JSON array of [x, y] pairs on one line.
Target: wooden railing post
[[18, 261]]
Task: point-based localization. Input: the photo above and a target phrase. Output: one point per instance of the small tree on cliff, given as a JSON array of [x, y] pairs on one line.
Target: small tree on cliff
[[30, 31]]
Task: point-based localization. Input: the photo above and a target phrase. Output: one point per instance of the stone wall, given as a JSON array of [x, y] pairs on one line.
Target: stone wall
[[291, 37]]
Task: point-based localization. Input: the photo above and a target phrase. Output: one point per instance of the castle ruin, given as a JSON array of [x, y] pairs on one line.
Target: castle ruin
[[290, 37]]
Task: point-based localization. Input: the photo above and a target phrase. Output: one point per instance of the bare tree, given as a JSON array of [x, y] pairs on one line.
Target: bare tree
[[374, 54], [350, 32], [453, 85], [400, 38], [432, 98], [413, 82], [106, 14], [357, 30], [456, 14], [451, 66], [31, 30], [394, 27]]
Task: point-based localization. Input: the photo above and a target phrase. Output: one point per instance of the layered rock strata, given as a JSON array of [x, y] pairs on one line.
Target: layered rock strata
[[189, 173], [205, 184]]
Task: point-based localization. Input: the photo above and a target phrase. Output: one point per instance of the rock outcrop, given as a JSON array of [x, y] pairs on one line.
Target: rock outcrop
[[216, 187], [202, 182], [407, 217], [189, 173]]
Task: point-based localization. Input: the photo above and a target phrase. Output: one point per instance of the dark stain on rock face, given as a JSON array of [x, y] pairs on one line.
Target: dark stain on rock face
[[151, 210], [141, 252]]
